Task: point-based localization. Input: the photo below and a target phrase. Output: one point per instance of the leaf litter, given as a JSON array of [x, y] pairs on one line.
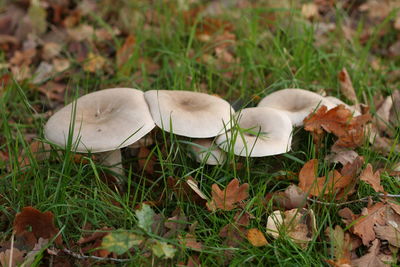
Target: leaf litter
[[43, 57]]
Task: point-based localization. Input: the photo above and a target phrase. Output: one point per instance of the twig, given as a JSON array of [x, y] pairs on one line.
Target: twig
[[364, 199], [10, 260], [83, 257]]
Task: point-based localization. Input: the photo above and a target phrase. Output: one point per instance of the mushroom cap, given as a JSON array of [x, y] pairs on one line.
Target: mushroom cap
[[189, 114], [296, 103], [274, 123], [206, 151], [104, 120]]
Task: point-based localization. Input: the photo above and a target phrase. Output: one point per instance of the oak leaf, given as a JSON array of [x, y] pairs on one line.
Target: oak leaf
[[315, 186], [370, 259], [41, 224], [228, 198], [371, 178]]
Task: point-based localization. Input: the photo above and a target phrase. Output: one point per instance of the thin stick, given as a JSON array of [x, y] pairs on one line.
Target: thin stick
[[11, 251], [83, 257], [364, 199]]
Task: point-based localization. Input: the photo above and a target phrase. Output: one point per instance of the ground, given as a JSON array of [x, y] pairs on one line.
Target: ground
[[52, 52]]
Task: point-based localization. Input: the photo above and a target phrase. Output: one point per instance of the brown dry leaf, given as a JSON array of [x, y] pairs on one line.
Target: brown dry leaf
[[342, 156], [298, 224], [94, 242], [17, 258], [256, 237], [381, 118], [293, 197], [371, 178], [51, 50], [233, 234], [370, 259], [42, 224], [228, 198], [310, 10], [126, 50], [332, 121], [189, 241], [346, 86], [94, 62], [53, 90], [364, 224], [391, 233], [315, 186], [340, 122]]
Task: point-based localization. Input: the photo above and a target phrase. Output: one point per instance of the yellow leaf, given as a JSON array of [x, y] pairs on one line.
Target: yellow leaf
[[256, 237]]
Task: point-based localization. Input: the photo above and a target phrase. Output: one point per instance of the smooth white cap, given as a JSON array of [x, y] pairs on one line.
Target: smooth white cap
[[206, 151], [296, 103], [189, 114], [104, 120], [269, 132]]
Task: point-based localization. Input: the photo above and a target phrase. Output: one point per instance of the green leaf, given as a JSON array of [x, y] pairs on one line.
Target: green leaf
[[121, 242], [163, 249], [145, 216]]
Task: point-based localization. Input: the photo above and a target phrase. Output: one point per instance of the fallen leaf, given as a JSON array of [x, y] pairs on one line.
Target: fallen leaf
[[44, 72], [316, 186], [256, 237], [371, 178], [341, 246], [363, 226], [145, 216], [298, 224], [391, 233], [293, 197], [16, 260], [163, 249], [189, 241], [126, 50], [228, 198], [310, 10], [371, 258], [346, 86], [340, 122], [94, 62], [42, 224], [121, 242], [94, 241], [342, 156]]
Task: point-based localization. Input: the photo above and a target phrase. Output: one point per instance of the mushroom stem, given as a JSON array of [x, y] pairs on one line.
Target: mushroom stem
[[112, 159]]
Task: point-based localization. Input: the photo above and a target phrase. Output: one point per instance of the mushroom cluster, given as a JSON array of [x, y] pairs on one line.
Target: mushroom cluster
[[108, 120]]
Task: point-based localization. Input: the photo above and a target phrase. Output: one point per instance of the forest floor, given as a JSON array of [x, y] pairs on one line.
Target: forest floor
[[340, 206]]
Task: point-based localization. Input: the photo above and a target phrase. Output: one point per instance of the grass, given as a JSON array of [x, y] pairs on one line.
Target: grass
[[273, 55]]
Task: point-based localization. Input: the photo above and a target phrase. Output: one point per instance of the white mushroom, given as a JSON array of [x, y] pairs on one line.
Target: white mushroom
[[206, 151], [260, 132], [102, 121], [189, 114], [296, 103]]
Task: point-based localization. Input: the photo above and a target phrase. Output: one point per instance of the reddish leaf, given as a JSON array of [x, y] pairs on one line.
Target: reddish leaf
[[316, 186], [228, 198], [42, 224], [371, 178]]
